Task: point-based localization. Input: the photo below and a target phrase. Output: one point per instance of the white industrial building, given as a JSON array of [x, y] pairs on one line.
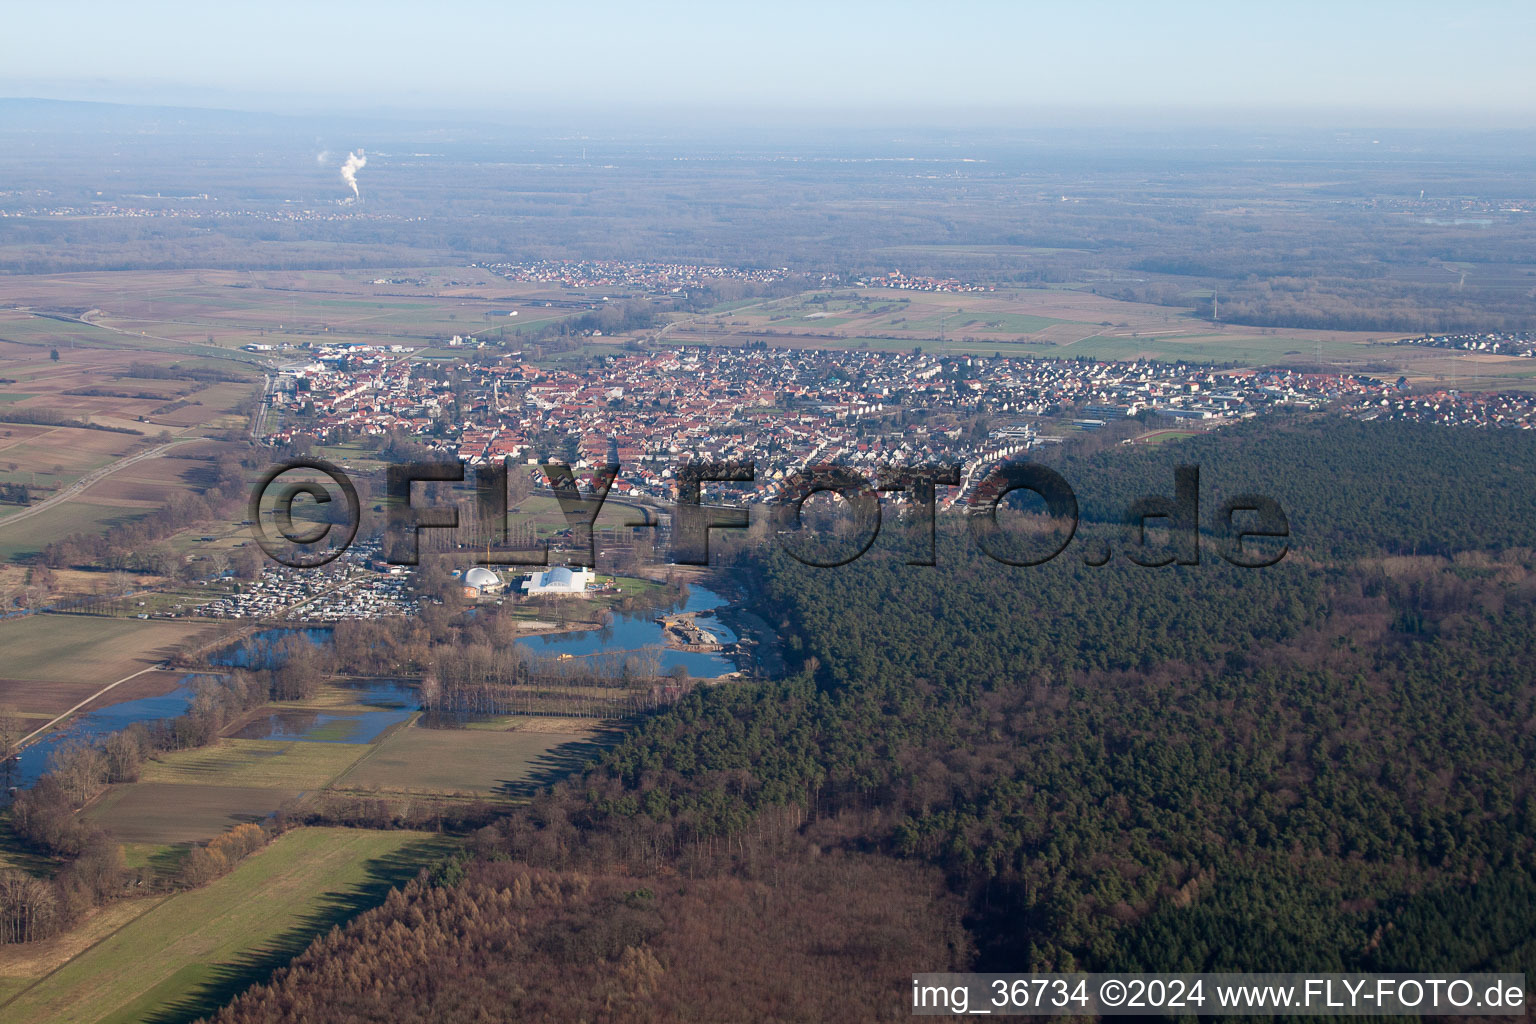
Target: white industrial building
[[559, 580]]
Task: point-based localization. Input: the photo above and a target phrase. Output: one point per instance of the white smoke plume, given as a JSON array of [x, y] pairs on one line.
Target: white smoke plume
[[323, 157], [355, 162]]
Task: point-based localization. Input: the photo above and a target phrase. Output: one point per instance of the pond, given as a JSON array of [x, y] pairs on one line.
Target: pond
[[633, 632]]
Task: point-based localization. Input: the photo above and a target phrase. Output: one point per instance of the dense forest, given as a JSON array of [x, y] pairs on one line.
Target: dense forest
[[1349, 490], [1324, 764]]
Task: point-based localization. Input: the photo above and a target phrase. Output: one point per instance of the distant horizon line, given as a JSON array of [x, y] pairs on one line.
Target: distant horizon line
[[1251, 117]]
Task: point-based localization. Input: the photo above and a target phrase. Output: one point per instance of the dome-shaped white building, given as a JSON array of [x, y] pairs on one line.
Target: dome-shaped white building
[[481, 580]]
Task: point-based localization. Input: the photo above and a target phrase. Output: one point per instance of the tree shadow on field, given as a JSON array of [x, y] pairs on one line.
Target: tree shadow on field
[[560, 762], [255, 966], [166, 862]]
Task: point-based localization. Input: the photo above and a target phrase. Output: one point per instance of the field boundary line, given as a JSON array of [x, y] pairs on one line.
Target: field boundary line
[[373, 748], [42, 978]]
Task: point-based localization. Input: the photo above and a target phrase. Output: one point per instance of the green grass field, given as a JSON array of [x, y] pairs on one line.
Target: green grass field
[[548, 519], [1237, 348], [420, 760], [85, 648], [191, 953], [1163, 437], [813, 320], [332, 698], [10, 986], [64, 335], [978, 322], [726, 307], [164, 858], [282, 764], [37, 532], [951, 346]]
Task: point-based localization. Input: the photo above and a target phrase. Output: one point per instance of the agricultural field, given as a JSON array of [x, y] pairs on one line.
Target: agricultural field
[[86, 649], [132, 489], [295, 747], [1032, 322], [191, 795], [55, 661], [28, 536], [213, 312], [73, 335], [208, 315], [48, 457], [280, 764], [544, 511], [169, 813], [475, 761], [22, 965], [153, 446], [184, 955], [339, 742], [150, 482], [113, 388], [41, 700]]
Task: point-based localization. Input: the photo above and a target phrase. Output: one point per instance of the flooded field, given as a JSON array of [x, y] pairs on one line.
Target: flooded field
[[388, 703]]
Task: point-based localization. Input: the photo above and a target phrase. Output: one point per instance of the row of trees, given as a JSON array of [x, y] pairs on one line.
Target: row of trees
[[139, 544], [219, 855], [29, 907], [33, 909]]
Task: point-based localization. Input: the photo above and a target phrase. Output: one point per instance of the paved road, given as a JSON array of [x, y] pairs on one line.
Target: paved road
[[95, 476], [686, 321], [29, 737], [259, 421]]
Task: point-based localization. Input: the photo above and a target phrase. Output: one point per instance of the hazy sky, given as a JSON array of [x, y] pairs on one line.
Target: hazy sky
[[1444, 57]]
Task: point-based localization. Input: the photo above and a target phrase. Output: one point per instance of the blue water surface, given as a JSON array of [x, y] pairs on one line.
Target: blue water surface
[[633, 632]]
